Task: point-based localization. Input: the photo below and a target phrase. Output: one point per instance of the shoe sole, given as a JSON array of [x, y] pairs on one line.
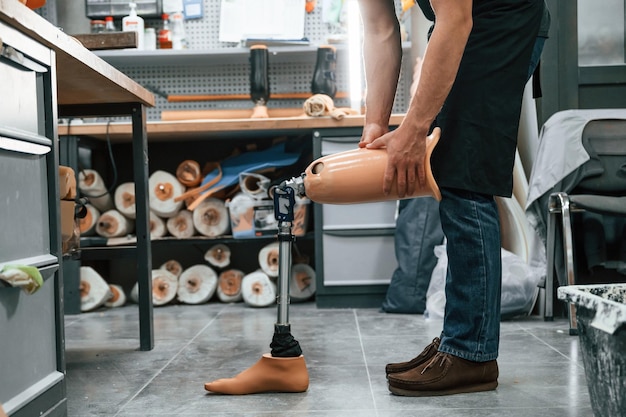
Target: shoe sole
[[488, 386]]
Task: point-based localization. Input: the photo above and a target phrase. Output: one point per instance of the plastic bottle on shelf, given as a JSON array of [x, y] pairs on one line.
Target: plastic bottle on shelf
[[179, 38], [132, 22], [109, 25], [165, 34], [97, 26], [150, 39]]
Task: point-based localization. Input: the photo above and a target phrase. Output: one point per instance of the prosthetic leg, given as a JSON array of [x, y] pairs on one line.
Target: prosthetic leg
[[324, 74], [259, 80], [284, 369], [343, 178]]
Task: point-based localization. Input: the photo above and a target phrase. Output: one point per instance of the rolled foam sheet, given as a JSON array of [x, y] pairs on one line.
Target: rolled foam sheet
[[113, 224], [87, 224], [268, 259], [118, 298], [181, 225], [157, 226], [94, 290], [302, 285], [197, 284], [124, 198], [258, 290], [254, 185], [164, 287], [163, 188], [92, 186], [229, 286], [218, 255], [189, 173], [211, 218], [173, 266]]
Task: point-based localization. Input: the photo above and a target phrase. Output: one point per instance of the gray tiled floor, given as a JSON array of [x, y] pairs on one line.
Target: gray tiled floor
[[541, 371]]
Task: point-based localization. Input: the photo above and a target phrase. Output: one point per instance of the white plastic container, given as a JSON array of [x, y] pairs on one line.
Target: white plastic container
[[133, 22], [150, 39], [177, 25]]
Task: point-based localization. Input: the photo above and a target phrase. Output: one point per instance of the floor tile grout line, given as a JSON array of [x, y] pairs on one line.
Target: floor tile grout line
[[367, 371], [160, 371], [80, 318], [569, 359]]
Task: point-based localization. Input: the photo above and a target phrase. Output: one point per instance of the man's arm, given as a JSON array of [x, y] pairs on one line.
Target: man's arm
[[382, 52], [406, 146]]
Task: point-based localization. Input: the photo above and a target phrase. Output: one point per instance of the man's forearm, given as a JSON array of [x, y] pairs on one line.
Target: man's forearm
[[382, 50], [441, 61]]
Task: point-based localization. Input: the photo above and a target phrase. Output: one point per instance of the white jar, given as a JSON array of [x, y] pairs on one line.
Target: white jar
[[149, 39]]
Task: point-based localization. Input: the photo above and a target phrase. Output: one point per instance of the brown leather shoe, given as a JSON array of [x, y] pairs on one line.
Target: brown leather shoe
[[428, 353], [445, 374]]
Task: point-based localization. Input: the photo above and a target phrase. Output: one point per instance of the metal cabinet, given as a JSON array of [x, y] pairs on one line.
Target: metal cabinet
[[355, 256], [31, 326]]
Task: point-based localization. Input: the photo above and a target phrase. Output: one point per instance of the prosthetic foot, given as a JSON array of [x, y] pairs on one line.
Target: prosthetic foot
[[269, 374]]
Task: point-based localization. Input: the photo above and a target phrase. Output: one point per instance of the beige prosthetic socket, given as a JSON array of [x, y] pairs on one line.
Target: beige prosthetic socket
[[269, 374], [356, 176]]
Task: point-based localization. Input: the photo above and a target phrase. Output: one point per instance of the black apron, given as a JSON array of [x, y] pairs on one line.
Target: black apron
[[480, 117]]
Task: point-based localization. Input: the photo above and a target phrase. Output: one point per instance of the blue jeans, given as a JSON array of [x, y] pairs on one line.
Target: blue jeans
[[470, 222]]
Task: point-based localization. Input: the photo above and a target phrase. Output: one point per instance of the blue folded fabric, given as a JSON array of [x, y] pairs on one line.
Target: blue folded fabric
[[273, 157]]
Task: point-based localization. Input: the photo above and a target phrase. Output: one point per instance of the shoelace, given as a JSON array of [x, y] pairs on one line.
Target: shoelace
[[442, 357], [433, 344]]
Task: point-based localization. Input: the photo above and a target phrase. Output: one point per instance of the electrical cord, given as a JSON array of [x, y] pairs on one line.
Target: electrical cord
[[111, 188]]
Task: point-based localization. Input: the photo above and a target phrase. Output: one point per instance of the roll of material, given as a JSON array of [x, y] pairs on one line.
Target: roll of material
[[92, 186], [254, 185], [164, 287], [211, 218], [157, 226], [197, 284], [189, 173], [229, 286], [181, 225], [258, 290], [173, 266], [268, 259], [67, 183], [87, 224], [124, 199], [302, 285], [118, 298], [218, 255], [94, 291], [113, 224], [163, 188]]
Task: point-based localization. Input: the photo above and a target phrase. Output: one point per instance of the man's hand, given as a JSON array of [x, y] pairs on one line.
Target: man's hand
[[406, 153], [371, 132]]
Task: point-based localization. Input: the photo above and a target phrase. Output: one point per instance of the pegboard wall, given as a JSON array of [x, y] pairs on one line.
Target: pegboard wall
[[285, 76]]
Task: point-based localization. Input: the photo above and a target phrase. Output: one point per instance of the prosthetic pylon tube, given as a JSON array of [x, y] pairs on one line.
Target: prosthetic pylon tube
[[284, 369], [356, 176]]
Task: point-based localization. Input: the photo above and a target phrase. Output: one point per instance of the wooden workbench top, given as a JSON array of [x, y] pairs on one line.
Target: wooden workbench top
[[215, 128], [82, 77]]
